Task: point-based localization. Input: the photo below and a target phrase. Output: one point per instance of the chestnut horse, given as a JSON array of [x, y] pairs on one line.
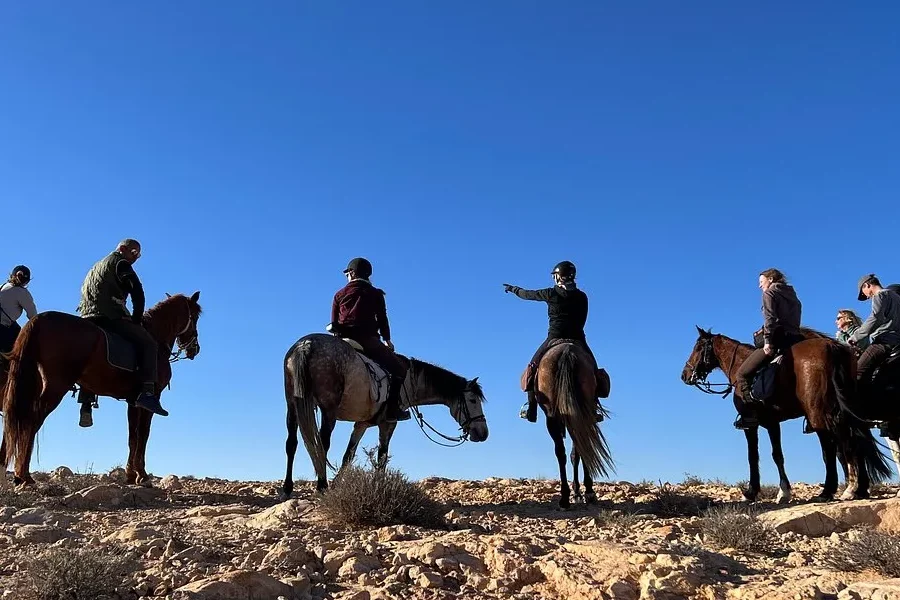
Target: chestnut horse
[[816, 379], [565, 387], [327, 373], [56, 350]]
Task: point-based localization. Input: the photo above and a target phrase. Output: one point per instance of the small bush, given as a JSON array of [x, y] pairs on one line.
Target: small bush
[[691, 480], [734, 527], [74, 574], [378, 497], [869, 550], [670, 502]]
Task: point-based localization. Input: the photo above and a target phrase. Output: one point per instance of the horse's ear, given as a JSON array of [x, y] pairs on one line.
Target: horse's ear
[[474, 381], [168, 295], [196, 296], [700, 332], [703, 333]]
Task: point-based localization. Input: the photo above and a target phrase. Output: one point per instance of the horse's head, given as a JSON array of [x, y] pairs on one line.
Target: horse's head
[[469, 411], [187, 338], [702, 361]]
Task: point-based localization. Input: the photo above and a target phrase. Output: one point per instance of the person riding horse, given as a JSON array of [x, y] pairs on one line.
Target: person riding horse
[[882, 328], [567, 309], [104, 291], [781, 329], [847, 322], [358, 312], [14, 299]]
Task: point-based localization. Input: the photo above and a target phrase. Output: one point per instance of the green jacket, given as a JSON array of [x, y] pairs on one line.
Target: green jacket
[[104, 290], [844, 337]]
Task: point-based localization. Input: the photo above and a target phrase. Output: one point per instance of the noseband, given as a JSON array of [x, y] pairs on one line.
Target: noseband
[[183, 348], [698, 378]]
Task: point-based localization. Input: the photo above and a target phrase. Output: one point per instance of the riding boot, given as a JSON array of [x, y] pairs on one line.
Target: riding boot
[[529, 410], [393, 413], [87, 400], [747, 418], [149, 401]]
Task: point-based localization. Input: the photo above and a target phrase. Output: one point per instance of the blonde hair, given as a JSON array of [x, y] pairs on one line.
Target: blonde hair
[[855, 321]]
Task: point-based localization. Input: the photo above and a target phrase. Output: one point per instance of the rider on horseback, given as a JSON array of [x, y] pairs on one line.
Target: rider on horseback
[[567, 309], [882, 328], [358, 312], [14, 299], [781, 329], [103, 295]]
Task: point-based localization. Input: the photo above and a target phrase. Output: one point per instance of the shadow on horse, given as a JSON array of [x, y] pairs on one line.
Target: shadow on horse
[[816, 380], [55, 351], [565, 389], [326, 373]]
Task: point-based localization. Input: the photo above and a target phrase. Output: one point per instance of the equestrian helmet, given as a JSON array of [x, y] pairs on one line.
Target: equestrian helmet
[[360, 266], [565, 269], [25, 271]]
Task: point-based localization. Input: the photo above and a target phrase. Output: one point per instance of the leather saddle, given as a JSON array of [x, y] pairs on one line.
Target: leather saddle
[[887, 374], [380, 379], [600, 375]]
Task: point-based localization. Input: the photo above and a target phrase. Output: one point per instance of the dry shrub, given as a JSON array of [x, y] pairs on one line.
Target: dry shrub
[[379, 497], [670, 502], [741, 529], [74, 574], [868, 550]]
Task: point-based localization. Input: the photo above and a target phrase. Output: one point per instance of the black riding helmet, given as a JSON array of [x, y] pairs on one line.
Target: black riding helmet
[[565, 269], [20, 269], [361, 267]]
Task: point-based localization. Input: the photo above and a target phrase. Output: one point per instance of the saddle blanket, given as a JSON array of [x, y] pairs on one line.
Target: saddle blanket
[[379, 378]]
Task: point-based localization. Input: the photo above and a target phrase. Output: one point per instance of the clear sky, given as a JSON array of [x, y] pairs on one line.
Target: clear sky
[[671, 150]]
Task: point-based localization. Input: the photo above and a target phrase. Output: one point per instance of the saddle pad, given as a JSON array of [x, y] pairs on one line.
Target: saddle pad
[[119, 352], [379, 378]]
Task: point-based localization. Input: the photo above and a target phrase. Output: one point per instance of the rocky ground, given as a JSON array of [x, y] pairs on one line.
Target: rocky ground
[[214, 539]]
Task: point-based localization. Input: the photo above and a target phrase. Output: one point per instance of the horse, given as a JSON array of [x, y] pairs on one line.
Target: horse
[[56, 350], [328, 373], [565, 387], [773, 428], [815, 380]]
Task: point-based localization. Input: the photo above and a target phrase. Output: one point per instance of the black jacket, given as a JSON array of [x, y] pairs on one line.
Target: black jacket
[[567, 309]]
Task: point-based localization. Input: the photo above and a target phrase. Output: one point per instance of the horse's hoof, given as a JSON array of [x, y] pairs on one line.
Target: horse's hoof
[[591, 498], [822, 498], [565, 505], [749, 498], [861, 496], [783, 499]]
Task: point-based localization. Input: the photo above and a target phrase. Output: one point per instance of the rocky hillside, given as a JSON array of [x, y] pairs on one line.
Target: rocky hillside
[[213, 539]]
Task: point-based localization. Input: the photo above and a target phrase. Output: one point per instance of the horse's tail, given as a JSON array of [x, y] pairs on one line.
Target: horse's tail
[[846, 423], [305, 405], [578, 413], [23, 387]]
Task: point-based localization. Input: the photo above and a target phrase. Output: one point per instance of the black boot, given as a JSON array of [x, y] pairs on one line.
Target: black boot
[[529, 411], [392, 413], [149, 401], [746, 414], [88, 401]]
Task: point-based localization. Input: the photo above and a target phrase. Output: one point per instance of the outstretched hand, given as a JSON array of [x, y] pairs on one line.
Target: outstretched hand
[[508, 288]]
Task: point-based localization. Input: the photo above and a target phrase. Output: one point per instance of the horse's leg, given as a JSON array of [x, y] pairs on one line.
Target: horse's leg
[[290, 448], [752, 491], [784, 486], [590, 497], [385, 433], [576, 486], [144, 421], [325, 430], [555, 428], [47, 402], [3, 482], [829, 456], [133, 434], [894, 443], [359, 429]]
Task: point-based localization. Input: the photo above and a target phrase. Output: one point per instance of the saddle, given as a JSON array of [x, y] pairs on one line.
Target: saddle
[[600, 375], [120, 353], [380, 379], [763, 386], [886, 375]]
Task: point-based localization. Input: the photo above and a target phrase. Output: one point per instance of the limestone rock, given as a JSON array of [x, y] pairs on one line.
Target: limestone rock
[[235, 585]]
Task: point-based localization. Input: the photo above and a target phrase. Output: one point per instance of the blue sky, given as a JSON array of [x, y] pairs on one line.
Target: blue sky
[[671, 151]]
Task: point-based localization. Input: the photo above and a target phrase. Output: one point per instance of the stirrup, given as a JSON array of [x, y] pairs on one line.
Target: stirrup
[[86, 419]]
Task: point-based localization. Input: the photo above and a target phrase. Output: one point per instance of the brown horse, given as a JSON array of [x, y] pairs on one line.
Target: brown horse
[[565, 388], [815, 380], [327, 373], [55, 350]]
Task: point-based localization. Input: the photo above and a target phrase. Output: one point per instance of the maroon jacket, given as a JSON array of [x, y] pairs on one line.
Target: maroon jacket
[[359, 309]]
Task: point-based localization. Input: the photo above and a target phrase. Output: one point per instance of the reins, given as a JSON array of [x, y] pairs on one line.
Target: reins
[[707, 387], [422, 423]]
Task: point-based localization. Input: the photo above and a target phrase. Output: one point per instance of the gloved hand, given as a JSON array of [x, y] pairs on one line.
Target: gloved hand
[[508, 288]]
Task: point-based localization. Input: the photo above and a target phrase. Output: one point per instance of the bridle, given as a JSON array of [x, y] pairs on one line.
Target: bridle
[[465, 426], [183, 348], [708, 357]]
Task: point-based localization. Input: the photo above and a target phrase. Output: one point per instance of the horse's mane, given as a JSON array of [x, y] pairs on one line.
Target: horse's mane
[[163, 306], [810, 332], [445, 381]]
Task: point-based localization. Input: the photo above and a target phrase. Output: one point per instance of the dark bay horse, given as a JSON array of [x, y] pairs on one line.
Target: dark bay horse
[[56, 350], [565, 387], [816, 379], [325, 372]]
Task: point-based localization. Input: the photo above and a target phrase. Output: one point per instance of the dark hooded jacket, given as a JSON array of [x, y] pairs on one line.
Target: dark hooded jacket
[[781, 314]]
